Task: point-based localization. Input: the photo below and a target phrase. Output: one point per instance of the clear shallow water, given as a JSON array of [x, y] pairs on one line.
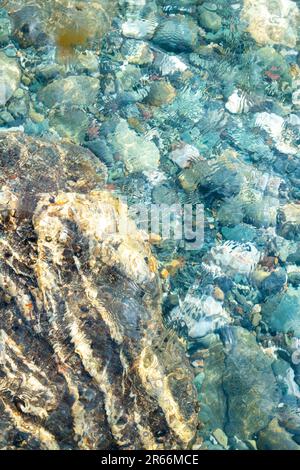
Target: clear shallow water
[[189, 104]]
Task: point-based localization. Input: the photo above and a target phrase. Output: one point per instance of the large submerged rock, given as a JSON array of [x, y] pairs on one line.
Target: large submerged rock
[[275, 22], [85, 361], [66, 22]]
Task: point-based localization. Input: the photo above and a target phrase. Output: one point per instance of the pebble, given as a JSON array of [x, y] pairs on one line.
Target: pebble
[[137, 153], [218, 294], [237, 103], [177, 33], [139, 28], [184, 155], [137, 52], [161, 93], [220, 437]]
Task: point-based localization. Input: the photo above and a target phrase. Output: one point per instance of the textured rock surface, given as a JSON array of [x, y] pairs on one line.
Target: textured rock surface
[[249, 385], [64, 21], [137, 153], [275, 22], [10, 76], [85, 360], [80, 91]]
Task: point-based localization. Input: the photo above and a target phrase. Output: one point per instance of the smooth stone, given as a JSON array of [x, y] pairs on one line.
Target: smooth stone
[[18, 108], [87, 62], [69, 123], [239, 233], [100, 149], [10, 76], [221, 437], [5, 27], [137, 52], [76, 91], [161, 92], [212, 397], [281, 312], [178, 34], [139, 28], [137, 153], [274, 437], [184, 155], [249, 385], [6, 118], [210, 20], [48, 72], [274, 283], [162, 194], [289, 221], [294, 278]]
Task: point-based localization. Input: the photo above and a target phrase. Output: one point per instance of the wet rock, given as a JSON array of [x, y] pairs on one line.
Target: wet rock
[[212, 398], [233, 258], [281, 312], [48, 72], [289, 221], [65, 24], [274, 437], [218, 294], [221, 437], [87, 63], [73, 91], [163, 194], [161, 93], [5, 27], [274, 283], [210, 20], [249, 385], [259, 15], [87, 291], [29, 26], [201, 314], [273, 64], [10, 77], [256, 315], [69, 122], [239, 233], [139, 28], [6, 118], [237, 103], [177, 33], [184, 155], [137, 153], [294, 278], [100, 148], [137, 52]]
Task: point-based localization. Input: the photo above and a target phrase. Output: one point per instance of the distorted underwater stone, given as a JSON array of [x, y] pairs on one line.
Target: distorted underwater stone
[[275, 22], [182, 332], [80, 321]]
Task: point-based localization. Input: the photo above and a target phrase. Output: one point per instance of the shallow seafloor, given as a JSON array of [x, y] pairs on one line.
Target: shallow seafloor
[[189, 102]]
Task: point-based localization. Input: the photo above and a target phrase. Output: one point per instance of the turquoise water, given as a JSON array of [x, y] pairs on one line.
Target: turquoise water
[[195, 104]]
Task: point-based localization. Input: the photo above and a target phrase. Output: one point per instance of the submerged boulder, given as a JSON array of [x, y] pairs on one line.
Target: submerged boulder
[[81, 357], [273, 22], [249, 385], [10, 76]]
